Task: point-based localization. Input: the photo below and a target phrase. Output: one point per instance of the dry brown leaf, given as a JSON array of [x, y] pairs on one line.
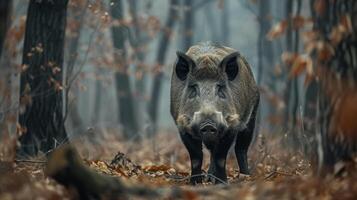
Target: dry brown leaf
[[320, 7], [277, 30]]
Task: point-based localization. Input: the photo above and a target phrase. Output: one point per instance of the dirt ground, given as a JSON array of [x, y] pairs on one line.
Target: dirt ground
[[162, 163]]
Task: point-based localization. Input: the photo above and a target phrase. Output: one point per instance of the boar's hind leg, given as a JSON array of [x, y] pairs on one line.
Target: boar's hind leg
[[194, 148], [219, 153], [243, 141]]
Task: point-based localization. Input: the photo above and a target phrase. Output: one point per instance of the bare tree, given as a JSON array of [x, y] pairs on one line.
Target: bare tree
[[5, 13], [336, 98], [265, 49], [41, 96], [188, 24], [160, 61], [127, 112], [5, 91], [291, 93], [225, 18], [138, 43]]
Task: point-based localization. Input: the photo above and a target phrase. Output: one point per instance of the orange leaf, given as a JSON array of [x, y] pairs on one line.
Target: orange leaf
[[301, 63], [277, 30], [299, 22], [320, 7], [155, 168], [324, 51], [346, 22], [288, 58]]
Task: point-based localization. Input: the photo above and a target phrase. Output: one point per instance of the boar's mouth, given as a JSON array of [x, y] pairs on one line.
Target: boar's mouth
[[184, 122]]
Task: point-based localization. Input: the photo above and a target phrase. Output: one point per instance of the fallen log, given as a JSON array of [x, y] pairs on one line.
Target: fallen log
[[66, 167]]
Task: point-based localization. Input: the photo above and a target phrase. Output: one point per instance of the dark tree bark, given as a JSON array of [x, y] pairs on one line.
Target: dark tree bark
[[41, 97], [127, 111], [310, 109], [5, 81], [289, 48], [139, 41], [265, 49], [225, 18], [291, 94], [138, 44], [265, 55], [188, 24], [337, 90], [5, 13], [160, 61]]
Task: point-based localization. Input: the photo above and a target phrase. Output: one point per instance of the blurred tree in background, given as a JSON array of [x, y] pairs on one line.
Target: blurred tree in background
[[41, 113]]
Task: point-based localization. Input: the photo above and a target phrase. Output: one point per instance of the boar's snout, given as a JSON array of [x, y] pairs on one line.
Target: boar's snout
[[208, 122], [207, 128]]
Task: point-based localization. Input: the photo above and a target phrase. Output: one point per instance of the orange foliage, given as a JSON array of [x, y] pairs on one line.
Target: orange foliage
[[297, 22], [320, 7], [342, 93], [277, 30]]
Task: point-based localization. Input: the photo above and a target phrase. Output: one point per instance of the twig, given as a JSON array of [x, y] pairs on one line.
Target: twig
[[70, 81], [277, 172], [197, 175], [31, 161]]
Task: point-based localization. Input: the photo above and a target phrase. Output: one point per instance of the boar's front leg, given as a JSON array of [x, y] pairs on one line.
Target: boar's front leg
[[244, 138], [219, 153], [194, 148]]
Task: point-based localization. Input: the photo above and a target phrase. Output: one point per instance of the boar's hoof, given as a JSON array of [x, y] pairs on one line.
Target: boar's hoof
[[196, 179], [216, 177], [245, 171]]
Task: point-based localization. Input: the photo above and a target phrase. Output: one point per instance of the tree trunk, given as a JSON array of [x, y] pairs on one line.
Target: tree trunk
[[292, 91], [188, 24], [6, 71], [160, 61], [337, 90], [289, 48], [138, 45], [311, 108], [127, 112], [225, 18], [5, 13], [141, 76], [41, 97], [266, 57]]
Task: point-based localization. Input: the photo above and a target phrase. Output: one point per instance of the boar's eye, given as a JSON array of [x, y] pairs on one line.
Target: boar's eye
[[221, 89], [192, 91]]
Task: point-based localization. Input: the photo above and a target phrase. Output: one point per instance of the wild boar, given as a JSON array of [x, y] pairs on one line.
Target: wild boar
[[214, 101]]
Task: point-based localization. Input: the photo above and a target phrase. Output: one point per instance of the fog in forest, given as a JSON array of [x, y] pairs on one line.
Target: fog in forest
[[85, 87]]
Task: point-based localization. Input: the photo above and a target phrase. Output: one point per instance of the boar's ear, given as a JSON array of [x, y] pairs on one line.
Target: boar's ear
[[183, 65], [230, 65]]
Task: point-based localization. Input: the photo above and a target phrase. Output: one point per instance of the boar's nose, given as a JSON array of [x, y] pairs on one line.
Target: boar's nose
[[208, 129]]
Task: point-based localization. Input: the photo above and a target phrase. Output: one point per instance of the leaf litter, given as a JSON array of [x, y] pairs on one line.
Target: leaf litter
[[278, 172]]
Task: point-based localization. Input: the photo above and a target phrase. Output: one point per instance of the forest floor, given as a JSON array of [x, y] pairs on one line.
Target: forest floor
[[162, 163]]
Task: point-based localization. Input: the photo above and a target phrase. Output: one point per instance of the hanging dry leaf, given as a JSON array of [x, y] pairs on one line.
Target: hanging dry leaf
[[320, 7], [277, 30], [301, 63]]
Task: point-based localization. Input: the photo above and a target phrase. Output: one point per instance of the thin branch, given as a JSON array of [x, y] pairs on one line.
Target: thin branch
[[30, 161], [71, 80]]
